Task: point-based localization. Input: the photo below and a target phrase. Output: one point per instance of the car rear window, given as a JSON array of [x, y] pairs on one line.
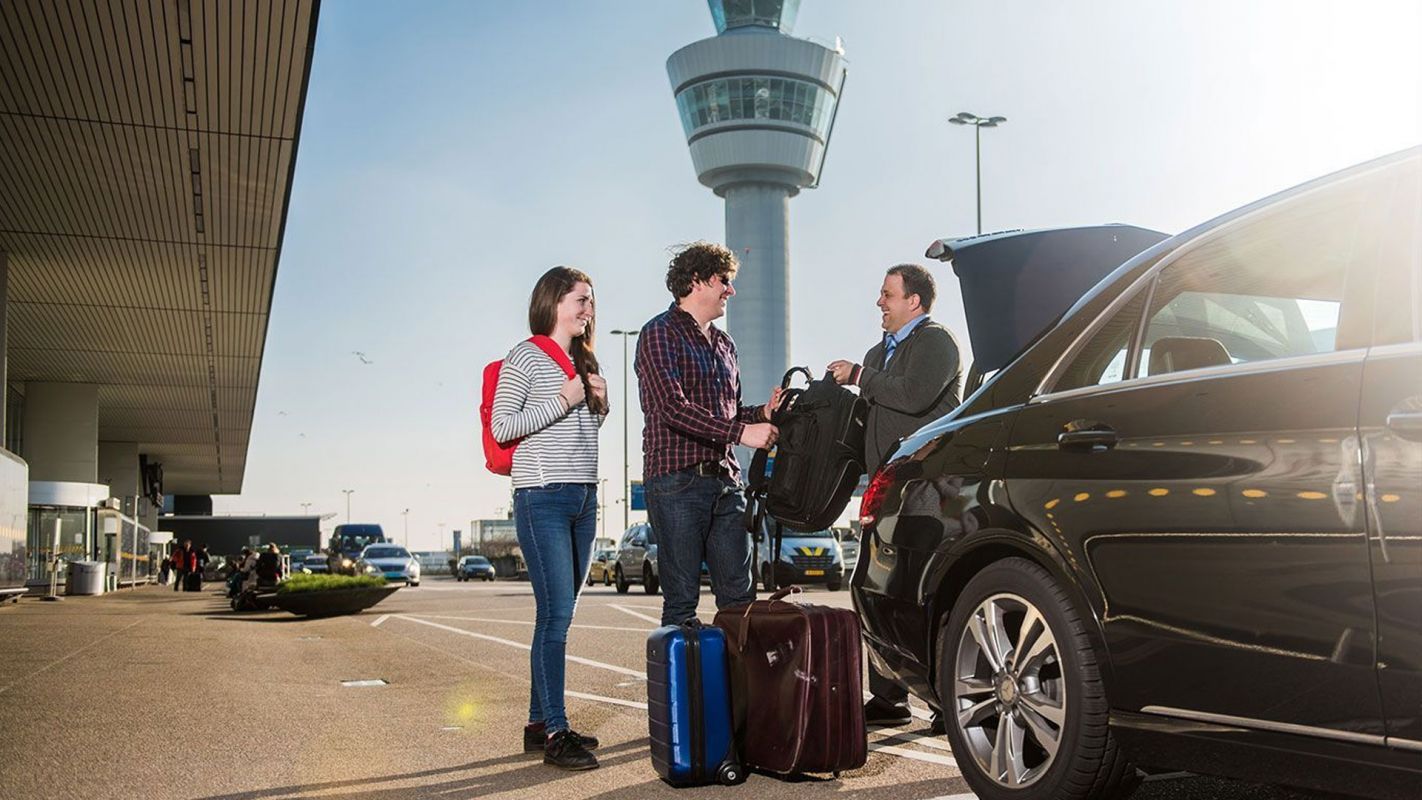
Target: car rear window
[[386, 552]]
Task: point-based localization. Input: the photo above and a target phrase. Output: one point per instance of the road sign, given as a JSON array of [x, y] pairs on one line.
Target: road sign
[[639, 496]]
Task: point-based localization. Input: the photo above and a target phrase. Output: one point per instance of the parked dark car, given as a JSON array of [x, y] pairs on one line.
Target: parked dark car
[[474, 567], [1181, 529]]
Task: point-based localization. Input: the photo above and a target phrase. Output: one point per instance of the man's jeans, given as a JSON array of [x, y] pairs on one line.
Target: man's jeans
[[697, 517], [556, 527]]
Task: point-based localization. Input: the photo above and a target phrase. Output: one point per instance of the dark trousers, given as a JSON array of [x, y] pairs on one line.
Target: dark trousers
[[885, 689], [695, 518], [178, 575]]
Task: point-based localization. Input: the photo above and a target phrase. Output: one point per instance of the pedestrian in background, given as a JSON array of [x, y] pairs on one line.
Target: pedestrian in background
[[180, 564], [910, 378], [690, 383], [555, 420]]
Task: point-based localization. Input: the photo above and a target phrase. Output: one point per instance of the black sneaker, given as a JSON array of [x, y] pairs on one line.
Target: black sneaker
[[535, 738], [878, 712], [565, 750]]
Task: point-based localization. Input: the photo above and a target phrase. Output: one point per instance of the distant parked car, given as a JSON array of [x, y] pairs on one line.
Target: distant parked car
[[390, 560], [474, 567], [636, 560], [314, 563], [600, 571]]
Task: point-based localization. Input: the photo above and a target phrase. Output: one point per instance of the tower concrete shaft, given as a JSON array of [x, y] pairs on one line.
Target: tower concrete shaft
[[758, 319]]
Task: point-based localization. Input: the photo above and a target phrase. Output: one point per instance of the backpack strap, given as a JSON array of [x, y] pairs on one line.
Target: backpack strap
[[555, 352]]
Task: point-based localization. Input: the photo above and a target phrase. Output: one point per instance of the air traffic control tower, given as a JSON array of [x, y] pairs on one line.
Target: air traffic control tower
[[758, 106]]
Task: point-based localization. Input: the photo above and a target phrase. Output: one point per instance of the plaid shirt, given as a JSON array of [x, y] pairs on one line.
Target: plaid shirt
[[691, 395]]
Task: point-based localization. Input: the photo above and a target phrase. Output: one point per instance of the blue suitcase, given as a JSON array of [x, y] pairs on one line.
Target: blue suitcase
[[689, 706]]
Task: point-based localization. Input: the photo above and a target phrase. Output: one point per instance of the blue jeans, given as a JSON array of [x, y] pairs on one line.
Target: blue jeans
[[695, 518], [556, 527]]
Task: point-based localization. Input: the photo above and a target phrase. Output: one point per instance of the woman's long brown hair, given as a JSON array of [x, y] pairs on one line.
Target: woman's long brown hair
[[543, 318]]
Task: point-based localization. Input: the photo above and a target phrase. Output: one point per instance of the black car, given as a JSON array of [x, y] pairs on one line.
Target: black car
[[1181, 528], [472, 567]]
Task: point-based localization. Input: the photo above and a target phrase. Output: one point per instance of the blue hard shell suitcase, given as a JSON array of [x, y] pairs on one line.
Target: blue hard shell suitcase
[[689, 706]]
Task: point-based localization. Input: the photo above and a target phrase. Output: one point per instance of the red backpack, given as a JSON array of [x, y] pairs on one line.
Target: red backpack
[[498, 456]]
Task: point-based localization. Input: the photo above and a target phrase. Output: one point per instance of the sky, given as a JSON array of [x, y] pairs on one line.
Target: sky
[[451, 152]]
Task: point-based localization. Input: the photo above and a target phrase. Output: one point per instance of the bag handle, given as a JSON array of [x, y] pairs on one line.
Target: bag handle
[[786, 592], [790, 373]]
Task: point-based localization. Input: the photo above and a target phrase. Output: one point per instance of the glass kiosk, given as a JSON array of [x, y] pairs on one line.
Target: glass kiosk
[[66, 512]]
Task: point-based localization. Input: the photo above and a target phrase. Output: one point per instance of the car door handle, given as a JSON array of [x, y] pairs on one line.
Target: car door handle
[[1090, 439], [1407, 424]]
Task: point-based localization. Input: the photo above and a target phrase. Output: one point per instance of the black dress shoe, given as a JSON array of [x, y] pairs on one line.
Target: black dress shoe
[[565, 751], [535, 737], [879, 712]]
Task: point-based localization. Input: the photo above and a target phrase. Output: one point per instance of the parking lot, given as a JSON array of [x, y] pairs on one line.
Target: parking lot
[[266, 705]]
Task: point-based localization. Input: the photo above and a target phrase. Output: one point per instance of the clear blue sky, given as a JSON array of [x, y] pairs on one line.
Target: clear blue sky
[[453, 151]]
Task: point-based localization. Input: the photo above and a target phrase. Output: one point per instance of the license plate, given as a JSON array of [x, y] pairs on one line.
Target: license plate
[[814, 572]]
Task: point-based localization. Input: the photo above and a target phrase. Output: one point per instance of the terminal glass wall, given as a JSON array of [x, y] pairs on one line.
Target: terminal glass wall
[[14, 504], [756, 99], [76, 538]]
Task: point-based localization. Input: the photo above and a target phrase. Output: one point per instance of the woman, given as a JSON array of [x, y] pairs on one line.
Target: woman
[[556, 420]]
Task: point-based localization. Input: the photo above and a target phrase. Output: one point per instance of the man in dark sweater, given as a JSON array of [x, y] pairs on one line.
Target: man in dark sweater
[[909, 379]]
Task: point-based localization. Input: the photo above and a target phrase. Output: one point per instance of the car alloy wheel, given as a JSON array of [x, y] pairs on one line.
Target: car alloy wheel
[[1026, 707], [622, 585], [1008, 690]]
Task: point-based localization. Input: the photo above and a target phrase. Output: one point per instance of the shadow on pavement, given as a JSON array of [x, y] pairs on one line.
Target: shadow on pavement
[[533, 773]]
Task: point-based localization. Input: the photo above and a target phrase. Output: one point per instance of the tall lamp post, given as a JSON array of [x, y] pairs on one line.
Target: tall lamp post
[[626, 414], [348, 492], [406, 515], [305, 509], [978, 123]]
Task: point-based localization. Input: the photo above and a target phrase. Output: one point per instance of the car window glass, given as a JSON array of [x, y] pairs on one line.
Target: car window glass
[[1398, 304], [1270, 287], [1103, 359]]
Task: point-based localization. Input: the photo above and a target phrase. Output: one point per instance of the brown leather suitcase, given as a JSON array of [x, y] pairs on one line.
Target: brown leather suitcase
[[796, 685]]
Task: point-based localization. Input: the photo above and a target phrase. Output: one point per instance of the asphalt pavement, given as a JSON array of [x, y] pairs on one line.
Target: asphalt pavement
[[153, 694]]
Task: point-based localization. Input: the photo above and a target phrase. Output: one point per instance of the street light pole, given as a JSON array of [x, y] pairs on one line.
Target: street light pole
[[626, 414], [348, 492], [406, 515], [978, 123], [305, 509]]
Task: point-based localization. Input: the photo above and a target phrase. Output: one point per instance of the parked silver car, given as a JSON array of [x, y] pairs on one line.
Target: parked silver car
[[637, 560], [390, 560]]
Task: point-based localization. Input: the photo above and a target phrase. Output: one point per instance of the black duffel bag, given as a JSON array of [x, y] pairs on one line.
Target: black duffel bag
[[818, 460]]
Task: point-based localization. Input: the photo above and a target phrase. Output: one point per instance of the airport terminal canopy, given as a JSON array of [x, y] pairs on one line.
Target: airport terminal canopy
[[731, 15]]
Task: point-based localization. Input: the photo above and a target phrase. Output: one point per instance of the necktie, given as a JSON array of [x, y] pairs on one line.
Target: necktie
[[889, 344]]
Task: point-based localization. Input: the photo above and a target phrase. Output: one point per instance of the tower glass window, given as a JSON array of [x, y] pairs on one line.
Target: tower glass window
[[732, 14], [782, 100]]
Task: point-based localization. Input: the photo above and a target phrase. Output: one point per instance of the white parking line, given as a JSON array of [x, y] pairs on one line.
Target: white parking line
[[379, 620], [876, 746], [932, 758], [968, 796], [525, 622], [575, 659], [637, 614]]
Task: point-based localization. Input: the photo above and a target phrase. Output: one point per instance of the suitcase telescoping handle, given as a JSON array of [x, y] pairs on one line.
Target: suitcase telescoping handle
[[745, 615]]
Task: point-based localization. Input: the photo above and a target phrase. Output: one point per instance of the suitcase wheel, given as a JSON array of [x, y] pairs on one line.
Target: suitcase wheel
[[730, 774]]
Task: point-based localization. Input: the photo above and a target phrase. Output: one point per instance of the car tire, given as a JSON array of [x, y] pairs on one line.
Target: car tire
[[1066, 749], [649, 580], [835, 586], [590, 579], [622, 585], [606, 578]]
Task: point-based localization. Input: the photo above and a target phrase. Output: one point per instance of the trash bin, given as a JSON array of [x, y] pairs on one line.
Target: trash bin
[[85, 577]]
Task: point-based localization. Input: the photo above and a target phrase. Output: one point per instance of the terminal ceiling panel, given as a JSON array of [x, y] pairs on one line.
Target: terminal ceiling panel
[[147, 164]]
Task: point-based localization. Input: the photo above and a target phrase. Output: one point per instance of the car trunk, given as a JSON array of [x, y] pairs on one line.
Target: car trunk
[[1017, 284]]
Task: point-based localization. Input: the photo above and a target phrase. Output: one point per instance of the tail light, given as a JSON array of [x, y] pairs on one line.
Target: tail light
[[875, 495]]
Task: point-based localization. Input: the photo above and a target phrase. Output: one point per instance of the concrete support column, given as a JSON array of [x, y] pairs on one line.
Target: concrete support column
[[758, 318], [4, 347], [62, 431], [118, 467]]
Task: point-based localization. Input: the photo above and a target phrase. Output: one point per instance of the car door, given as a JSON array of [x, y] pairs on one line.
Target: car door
[[629, 558], [1205, 475], [1390, 428]]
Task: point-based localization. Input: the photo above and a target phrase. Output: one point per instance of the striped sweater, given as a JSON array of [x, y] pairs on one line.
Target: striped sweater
[[557, 446]]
